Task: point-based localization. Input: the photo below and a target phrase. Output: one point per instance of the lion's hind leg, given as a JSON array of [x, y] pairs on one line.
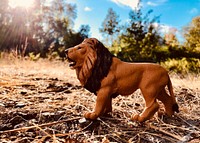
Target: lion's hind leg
[[147, 113], [168, 102], [151, 108]]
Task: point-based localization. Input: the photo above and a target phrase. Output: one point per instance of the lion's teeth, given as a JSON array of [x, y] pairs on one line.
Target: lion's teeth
[[72, 63]]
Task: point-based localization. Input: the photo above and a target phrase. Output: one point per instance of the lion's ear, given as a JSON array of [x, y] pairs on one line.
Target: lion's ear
[[87, 67]]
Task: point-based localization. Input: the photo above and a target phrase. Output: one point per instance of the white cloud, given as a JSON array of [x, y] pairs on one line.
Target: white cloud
[[164, 28], [130, 3], [193, 11], [167, 29], [87, 9], [156, 2], [151, 3]]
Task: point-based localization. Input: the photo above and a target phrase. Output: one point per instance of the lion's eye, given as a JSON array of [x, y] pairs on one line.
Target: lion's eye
[[79, 48]]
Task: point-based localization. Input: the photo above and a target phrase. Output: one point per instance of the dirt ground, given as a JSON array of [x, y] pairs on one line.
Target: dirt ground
[[43, 102]]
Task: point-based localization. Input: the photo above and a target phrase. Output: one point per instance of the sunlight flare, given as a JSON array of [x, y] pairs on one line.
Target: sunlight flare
[[21, 3]]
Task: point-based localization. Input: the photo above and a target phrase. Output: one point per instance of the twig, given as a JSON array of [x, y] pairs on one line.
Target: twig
[[9, 84], [42, 125], [42, 139], [165, 137], [181, 128], [193, 126], [67, 134], [42, 130], [165, 132]]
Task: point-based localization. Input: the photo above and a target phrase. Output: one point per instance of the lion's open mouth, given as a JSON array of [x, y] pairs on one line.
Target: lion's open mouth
[[71, 62]]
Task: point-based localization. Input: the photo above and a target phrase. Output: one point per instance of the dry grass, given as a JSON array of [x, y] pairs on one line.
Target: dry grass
[[43, 102]]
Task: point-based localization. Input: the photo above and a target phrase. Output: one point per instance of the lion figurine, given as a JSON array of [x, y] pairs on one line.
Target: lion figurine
[[106, 76]]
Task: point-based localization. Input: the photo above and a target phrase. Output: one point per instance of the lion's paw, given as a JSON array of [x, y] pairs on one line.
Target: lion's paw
[[90, 115], [135, 117], [138, 118], [161, 113]]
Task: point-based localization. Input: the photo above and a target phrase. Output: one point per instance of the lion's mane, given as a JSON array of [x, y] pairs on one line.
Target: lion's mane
[[100, 69]]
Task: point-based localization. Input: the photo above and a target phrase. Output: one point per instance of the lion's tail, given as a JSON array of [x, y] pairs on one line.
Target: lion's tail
[[175, 105]]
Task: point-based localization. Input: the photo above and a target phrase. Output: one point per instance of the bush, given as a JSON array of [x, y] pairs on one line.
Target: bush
[[34, 57], [183, 66]]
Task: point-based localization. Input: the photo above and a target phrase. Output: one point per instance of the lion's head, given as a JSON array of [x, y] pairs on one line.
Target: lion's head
[[84, 52], [92, 62]]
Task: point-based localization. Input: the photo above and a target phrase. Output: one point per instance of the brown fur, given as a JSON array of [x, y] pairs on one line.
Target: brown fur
[[107, 76]]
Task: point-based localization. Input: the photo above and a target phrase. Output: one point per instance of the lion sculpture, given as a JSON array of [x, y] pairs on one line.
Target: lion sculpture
[[106, 76]]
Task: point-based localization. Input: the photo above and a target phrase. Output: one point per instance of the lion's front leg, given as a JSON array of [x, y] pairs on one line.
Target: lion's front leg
[[108, 108], [103, 99]]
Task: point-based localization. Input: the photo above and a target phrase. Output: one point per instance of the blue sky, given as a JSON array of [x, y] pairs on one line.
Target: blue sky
[[174, 13]]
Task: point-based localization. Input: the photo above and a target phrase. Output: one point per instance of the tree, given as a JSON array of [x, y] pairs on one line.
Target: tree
[[3, 12], [72, 38], [4, 21], [36, 28], [84, 31], [170, 38], [58, 18], [192, 32], [19, 31], [141, 37], [110, 25]]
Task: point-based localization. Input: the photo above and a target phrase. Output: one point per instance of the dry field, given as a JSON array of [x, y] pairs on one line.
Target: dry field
[[43, 102]]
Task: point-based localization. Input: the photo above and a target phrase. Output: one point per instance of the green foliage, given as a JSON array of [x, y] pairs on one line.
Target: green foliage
[[53, 55], [84, 31], [192, 32], [34, 57], [56, 51], [183, 66], [111, 26], [140, 40], [111, 23]]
